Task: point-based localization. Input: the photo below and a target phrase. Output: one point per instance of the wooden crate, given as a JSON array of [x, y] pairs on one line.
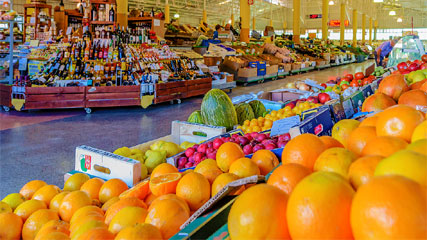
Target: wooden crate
[[112, 96], [54, 97], [170, 91], [5, 95], [198, 87]]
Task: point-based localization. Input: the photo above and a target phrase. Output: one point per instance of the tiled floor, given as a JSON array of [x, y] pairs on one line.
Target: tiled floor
[[40, 144]]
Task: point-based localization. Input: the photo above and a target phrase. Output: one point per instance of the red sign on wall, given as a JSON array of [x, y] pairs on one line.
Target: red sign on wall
[[337, 23]]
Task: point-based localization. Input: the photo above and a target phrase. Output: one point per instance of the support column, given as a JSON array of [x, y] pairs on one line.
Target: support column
[[285, 24], [245, 14], [375, 29], [363, 28], [342, 23], [122, 13], [271, 14], [325, 14], [354, 27], [253, 23], [370, 31], [232, 19], [167, 12], [296, 17], [205, 14]]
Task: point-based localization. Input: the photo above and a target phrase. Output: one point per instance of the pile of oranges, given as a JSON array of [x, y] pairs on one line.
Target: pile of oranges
[[367, 181]]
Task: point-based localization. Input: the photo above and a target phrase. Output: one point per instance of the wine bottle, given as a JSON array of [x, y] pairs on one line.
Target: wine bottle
[[112, 14], [94, 13]]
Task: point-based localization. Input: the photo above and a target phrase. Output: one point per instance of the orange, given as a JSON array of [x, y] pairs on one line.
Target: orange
[[92, 187], [369, 121], [362, 170], [195, 189], [244, 167], [319, 207], [377, 102], [31, 187], [46, 193], [125, 202], [330, 142], [303, 149], [111, 188], [228, 153], [168, 216], [359, 137], [393, 85], [209, 169], [221, 181], [139, 231], [268, 123], [287, 176], [414, 98], [97, 233], [182, 202], [36, 221], [25, 209], [84, 211], [259, 213], [383, 146], [72, 202], [150, 198], [389, 207], [164, 184], [5, 208], [13, 200], [127, 217], [75, 181], [55, 236], [399, 121], [56, 201], [163, 169], [419, 146], [266, 161], [342, 129], [420, 132], [53, 226], [110, 202], [140, 190], [336, 160], [89, 224], [10, 226], [407, 163]]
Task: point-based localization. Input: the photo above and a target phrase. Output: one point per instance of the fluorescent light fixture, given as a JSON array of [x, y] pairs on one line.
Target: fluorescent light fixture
[[331, 3], [176, 15], [392, 13], [399, 20], [378, 1], [229, 21], [224, 2]]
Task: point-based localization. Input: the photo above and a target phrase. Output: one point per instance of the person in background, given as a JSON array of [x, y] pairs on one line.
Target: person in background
[[383, 50], [217, 28], [230, 33]]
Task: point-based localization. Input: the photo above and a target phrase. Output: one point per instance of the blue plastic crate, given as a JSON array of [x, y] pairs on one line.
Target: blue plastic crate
[[272, 105], [261, 71], [205, 43]]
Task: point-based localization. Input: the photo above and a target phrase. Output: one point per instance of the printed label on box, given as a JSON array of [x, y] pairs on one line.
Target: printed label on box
[[357, 101], [283, 126], [348, 108], [367, 91], [319, 124]]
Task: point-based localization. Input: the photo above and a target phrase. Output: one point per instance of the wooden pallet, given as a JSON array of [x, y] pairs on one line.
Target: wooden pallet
[[54, 97], [5, 95], [112, 96], [198, 87], [170, 91]]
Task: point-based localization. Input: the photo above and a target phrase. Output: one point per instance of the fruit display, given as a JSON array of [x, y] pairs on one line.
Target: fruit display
[[379, 71], [218, 110], [348, 84], [408, 66]]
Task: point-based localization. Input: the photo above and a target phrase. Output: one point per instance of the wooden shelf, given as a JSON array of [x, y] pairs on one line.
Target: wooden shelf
[[103, 1], [37, 5], [33, 24], [102, 23], [141, 19]]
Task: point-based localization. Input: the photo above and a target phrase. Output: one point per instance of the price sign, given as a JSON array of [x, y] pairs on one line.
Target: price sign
[[250, 2], [283, 126]]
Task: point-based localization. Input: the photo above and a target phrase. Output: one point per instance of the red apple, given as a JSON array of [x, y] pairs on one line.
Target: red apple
[[211, 155], [182, 161], [191, 159], [248, 136], [402, 66], [270, 146], [210, 144], [413, 67], [247, 149], [312, 99], [323, 97], [243, 140], [189, 152], [324, 85], [202, 148], [217, 142], [349, 76], [291, 105], [261, 137], [258, 147], [198, 157], [285, 137], [189, 165]]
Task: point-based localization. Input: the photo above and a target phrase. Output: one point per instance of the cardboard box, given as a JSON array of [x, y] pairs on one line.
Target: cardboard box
[[283, 95], [231, 64], [320, 63], [247, 72], [230, 77], [212, 61], [337, 109], [296, 66], [327, 57], [272, 69], [287, 67]]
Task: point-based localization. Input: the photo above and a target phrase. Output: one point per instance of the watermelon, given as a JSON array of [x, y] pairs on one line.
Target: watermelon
[[195, 117], [218, 110], [258, 108], [244, 112]]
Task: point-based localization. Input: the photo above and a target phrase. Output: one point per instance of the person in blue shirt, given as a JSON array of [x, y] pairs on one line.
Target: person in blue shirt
[[383, 50], [215, 34]]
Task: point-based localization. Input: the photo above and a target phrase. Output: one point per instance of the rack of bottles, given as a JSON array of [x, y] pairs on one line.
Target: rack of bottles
[[37, 24], [102, 13]]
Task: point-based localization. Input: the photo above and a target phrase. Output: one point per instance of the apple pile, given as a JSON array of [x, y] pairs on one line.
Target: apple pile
[[358, 80], [320, 98], [408, 66], [250, 143]]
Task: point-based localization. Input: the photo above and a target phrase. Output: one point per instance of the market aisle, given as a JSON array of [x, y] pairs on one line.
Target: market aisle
[[43, 147]]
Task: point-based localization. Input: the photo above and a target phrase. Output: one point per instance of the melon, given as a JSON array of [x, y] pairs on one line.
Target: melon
[[196, 117], [218, 110], [244, 112], [377, 102], [414, 98], [393, 86], [258, 108]]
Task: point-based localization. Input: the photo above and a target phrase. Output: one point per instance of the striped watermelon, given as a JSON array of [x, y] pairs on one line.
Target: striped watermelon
[[244, 112], [218, 110], [258, 108], [195, 117]]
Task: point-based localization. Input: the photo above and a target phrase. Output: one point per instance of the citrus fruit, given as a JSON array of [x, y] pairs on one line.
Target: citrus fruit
[[10, 226], [90, 219], [303, 149], [393, 86], [5, 208], [36, 221], [406, 163], [110, 202], [195, 189], [384, 146], [266, 161], [264, 220], [330, 142], [336, 160], [163, 168], [359, 137], [369, 121], [52, 226], [221, 181], [122, 203], [342, 129], [319, 207], [362, 170], [150, 198], [413, 98], [13, 200], [57, 200], [140, 190], [84, 211], [377, 102], [420, 132], [399, 121], [182, 202], [111, 188], [31, 187], [419, 146], [77, 232], [209, 169], [164, 184], [97, 233], [25, 209], [46, 193], [139, 231], [126, 217], [228, 153], [244, 167], [92, 187], [75, 181], [55, 236], [287, 176], [168, 216], [389, 207], [72, 202]]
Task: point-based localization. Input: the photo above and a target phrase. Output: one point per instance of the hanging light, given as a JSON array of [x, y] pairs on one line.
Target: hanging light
[[229, 21], [378, 1], [176, 15], [392, 13], [331, 3], [399, 20]]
